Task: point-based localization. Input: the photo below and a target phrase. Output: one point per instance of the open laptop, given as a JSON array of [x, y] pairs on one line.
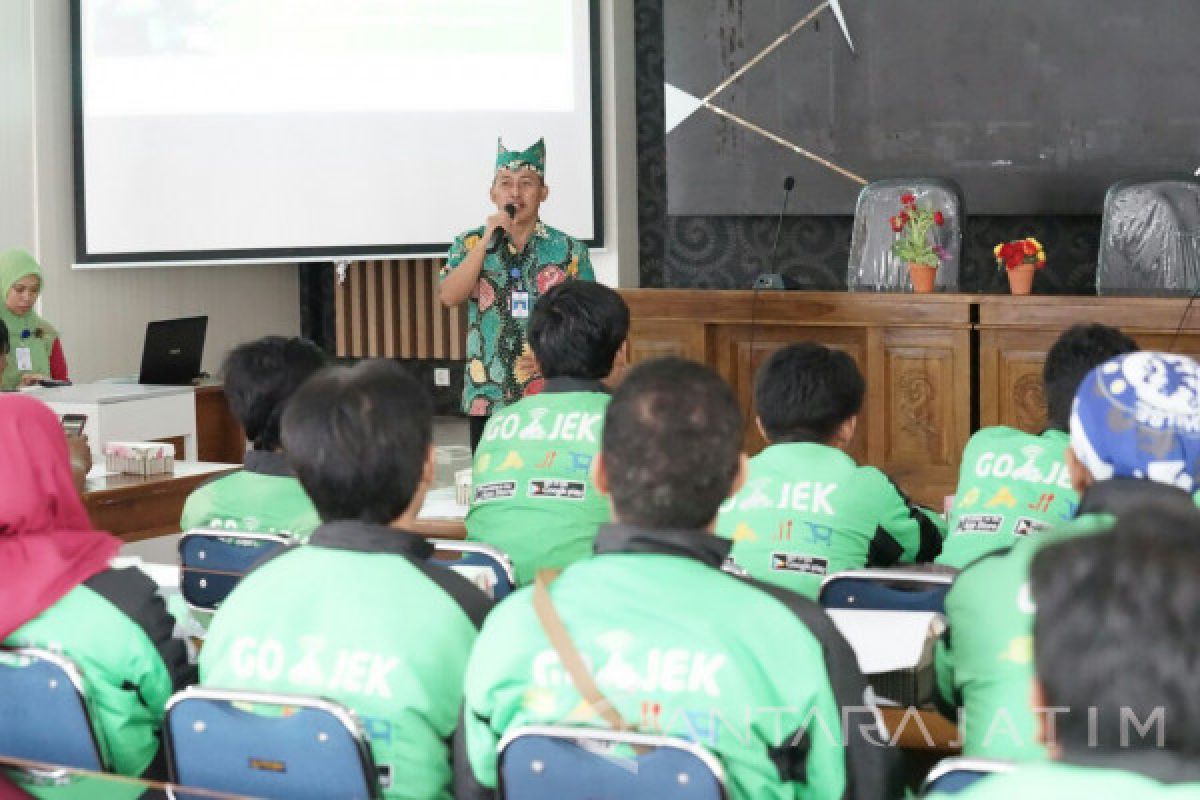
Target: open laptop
[[173, 350]]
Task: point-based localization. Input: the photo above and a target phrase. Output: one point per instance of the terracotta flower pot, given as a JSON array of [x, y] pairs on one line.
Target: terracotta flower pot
[[923, 278], [1020, 279]]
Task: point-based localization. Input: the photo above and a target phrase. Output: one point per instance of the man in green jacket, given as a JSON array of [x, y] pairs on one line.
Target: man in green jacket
[[757, 675], [532, 493], [1115, 654], [1014, 484], [808, 510], [265, 497], [1135, 438], [357, 614]]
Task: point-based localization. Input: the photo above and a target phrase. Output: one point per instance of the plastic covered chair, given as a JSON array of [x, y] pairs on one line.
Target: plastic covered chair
[[1150, 237], [43, 713], [897, 589], [266, 745], [953, 775], [564, 763], [872, 267]]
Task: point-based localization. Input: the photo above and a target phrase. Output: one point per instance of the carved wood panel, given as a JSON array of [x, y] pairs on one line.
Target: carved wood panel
[[658, 338]]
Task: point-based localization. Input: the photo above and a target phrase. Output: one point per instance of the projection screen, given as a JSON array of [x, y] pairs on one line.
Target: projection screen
[[285, 130]]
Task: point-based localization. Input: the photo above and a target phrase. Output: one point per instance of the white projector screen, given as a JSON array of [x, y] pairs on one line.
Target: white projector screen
[[285, 130]]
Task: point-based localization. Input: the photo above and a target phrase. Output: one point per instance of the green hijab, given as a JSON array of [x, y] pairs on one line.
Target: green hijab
[[30, 330]]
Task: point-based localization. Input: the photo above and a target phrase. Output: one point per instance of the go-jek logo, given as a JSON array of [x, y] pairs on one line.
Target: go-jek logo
[[658, 669]]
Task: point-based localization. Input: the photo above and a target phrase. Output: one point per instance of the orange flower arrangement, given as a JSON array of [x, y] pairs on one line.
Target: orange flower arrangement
[[1020, 252]]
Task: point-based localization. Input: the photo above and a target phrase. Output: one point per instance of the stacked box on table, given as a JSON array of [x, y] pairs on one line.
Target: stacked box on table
[[139, 458]]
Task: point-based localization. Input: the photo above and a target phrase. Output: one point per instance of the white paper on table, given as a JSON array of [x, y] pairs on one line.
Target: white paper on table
[[886, 641], [442, 504]]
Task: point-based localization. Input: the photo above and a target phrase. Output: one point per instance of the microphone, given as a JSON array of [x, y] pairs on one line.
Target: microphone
[[772, 279], [499, 233]]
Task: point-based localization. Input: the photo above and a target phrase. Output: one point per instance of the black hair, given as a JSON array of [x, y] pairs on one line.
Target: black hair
[[1115, 632], [261, 376], [805, 391], [1079, 350], [577, 328], [357, 438], [4, 345], [671, 445]]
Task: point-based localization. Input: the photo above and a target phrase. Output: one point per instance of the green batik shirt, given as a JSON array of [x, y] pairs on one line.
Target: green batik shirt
[[532, 493], [808, 510], [1011, 484], [495, 337]]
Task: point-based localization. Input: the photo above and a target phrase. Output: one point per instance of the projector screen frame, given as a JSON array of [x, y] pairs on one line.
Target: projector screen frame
[[84, 259]]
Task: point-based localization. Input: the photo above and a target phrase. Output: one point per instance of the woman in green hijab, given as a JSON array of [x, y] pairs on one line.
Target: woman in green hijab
[[35, 351]]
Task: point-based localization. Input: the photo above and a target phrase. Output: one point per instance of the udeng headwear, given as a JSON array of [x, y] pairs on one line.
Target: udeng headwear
[[1138, 416], [533, 157]]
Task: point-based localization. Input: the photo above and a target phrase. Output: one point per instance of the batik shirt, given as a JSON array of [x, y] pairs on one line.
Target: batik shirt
[[495, 337]]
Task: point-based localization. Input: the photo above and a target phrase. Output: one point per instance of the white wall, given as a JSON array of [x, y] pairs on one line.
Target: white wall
[[101, 314]]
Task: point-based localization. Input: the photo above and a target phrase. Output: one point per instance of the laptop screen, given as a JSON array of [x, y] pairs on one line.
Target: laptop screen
[[173, 350]]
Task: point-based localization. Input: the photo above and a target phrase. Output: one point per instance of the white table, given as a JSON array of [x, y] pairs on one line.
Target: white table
[[118, 412]]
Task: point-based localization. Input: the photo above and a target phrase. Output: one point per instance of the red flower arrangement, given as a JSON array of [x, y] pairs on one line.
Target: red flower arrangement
[[1020, 252], [914, 223]]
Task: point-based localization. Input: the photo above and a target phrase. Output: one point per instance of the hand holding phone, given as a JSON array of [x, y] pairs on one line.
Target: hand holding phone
[[73, 424]]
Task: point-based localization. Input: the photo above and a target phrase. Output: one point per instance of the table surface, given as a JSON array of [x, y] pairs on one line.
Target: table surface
[[100, 480], [105, 393]]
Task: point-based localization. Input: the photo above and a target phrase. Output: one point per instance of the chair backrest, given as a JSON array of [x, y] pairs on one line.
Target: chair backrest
[[897, 589], [484, 565], [267, 745], [952, 775], [871, 266], [43, 710], [212, 561], [563, 763], [1150, 237]]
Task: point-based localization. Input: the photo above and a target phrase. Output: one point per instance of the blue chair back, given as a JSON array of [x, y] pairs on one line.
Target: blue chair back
[[886, 590], [562, 763], [466, 557], [213, 561], [43, 711], [953, 775], [267, 745]]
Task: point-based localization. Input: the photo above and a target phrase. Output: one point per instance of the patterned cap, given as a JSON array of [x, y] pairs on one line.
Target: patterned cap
[[534, 157], [1138, 416]]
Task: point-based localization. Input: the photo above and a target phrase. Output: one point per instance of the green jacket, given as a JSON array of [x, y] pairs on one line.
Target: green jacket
[[262, 498], [984, 661], [1011, 484], [1127, 777], [358, 616], [682, 648], [808, 510], [532, 493], [116, 629]]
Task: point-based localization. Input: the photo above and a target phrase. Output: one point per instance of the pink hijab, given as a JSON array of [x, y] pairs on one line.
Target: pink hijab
[[47, 545]]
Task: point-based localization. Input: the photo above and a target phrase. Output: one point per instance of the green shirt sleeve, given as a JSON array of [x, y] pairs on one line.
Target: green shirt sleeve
[[459, 249], [917, 530], [586, 273]]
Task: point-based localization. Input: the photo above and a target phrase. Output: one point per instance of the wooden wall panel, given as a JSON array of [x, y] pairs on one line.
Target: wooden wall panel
[[390, 309]]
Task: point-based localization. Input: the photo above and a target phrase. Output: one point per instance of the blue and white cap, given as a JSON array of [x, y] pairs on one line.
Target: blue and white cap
[[1138, 416]]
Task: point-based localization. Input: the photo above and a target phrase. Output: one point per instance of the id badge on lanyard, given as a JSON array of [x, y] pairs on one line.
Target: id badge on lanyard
[[24, 358], [518, 304]]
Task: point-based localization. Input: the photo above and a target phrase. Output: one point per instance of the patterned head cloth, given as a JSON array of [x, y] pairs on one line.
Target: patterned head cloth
[[533, 157], [1138, 416]]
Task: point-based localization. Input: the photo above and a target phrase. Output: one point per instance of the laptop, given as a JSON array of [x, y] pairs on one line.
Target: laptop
[[172, 352]]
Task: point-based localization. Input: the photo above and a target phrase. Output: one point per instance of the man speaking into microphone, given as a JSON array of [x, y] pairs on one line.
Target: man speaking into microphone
[[501, 269]]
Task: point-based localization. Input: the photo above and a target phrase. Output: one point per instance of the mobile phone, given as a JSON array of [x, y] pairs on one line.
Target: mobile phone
[[73, 424], [50, 383]]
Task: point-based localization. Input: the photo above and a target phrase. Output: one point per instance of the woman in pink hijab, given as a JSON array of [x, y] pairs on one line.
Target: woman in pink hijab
[[58, 592]]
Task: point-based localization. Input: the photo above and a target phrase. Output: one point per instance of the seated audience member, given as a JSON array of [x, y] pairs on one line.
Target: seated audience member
[[1115, 655], [37, 351], [674, 644], [807, 509], [265, 497], [58, 592], [1135, 439], [356, 614], [532, 494], [1013, 483]]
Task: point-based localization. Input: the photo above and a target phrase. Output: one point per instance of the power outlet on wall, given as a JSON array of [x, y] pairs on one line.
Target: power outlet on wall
[[441, 376]]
